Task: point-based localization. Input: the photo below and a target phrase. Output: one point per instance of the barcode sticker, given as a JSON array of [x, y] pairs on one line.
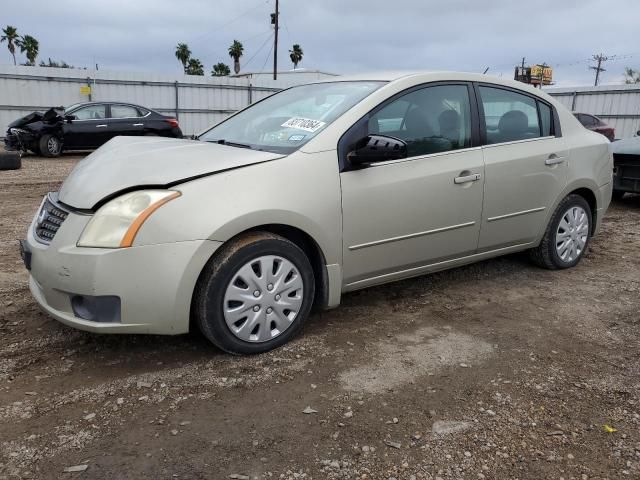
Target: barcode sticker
[[306, 124]]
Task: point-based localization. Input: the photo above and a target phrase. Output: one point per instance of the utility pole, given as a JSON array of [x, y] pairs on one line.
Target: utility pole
[[275, 43], [600, 58]]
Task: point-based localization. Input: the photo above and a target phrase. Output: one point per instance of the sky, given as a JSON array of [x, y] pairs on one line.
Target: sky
[[338, 36]]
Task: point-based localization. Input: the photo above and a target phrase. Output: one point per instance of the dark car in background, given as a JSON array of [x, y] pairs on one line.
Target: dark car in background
[[85, 126], [595, 124], [626, 166]]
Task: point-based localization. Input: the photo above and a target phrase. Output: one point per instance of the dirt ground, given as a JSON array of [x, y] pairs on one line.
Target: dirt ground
[[493, 371]]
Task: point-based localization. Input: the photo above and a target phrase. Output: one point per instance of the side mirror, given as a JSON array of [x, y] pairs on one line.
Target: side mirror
[[69, 118], [377, 148]]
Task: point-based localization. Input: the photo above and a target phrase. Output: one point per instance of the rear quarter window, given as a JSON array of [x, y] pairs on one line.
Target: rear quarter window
[[546, 122]]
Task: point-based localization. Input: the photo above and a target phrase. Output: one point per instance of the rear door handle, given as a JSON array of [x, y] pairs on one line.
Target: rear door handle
[[101, 126], [553, 159], [138, 124], [474, 177]]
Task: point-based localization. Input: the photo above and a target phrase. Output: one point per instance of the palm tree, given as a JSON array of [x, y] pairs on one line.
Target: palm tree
[[296, 55], [631, 75], [220, 70], [10, 36], [29, 45], [235, 51], [183, 54], [194, 67]]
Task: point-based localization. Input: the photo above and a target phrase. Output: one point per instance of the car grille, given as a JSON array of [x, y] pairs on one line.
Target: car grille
[[50, 218]]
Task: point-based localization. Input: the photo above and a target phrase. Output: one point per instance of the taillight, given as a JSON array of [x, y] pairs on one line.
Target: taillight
[[173, 122]]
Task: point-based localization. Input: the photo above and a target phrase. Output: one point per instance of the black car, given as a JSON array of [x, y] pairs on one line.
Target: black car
[[85, 126]]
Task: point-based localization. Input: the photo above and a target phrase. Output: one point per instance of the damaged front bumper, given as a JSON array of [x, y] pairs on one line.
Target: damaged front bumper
[[18, 139]]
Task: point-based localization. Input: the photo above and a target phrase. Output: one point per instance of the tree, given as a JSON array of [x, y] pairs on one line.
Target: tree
[[631, 75], [54, 64], [194, 67], [220, 70], [235, 51], [183, 54], [29, 45], [10, 35], [295, 54]]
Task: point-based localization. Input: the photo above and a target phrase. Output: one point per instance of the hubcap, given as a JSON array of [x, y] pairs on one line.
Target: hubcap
[[53, 145], [263, 298], [572, 234]]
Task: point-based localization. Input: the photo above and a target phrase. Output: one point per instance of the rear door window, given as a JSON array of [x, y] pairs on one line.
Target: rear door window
[[509, 116], [124, 111]]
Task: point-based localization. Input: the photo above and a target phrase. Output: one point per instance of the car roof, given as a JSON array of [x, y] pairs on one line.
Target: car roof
[[430, 75], [85, 104], [419, 77]]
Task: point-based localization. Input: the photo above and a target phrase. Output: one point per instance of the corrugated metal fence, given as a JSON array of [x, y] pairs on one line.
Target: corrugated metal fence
[[618, 105], [198, 102]]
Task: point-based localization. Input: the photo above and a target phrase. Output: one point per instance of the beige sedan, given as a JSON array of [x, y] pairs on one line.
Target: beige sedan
[[318, 190]]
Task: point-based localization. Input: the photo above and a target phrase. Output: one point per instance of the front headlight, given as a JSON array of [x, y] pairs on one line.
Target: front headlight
[[117, 222]]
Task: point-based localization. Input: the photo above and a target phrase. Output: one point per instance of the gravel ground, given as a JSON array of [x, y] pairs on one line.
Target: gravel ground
[[493, 371]]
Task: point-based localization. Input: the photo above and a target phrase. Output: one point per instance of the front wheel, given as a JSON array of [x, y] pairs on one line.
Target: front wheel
[[566, 238], [50, 145], [254, 294]]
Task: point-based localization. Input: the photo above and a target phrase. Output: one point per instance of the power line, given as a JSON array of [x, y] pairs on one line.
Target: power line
[[223, 25], [259, 49], [266, 59]]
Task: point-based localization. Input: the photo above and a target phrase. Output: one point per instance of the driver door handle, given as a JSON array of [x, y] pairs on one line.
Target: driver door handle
[[102, 125], [474, 177], [553, 159], [138, 124]]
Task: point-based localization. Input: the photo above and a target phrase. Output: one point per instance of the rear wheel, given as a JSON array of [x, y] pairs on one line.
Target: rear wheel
[[50, 145], [566, 239], [255, 294]]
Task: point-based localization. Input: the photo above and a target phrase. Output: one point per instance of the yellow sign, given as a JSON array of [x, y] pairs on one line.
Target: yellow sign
[[543, 71], [85, 90]]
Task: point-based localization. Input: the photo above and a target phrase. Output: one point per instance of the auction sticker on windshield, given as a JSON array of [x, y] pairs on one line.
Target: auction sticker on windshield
[[306, 124]]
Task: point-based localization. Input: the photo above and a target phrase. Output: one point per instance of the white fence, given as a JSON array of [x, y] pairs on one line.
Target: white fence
[[197, 102], [618, 105]]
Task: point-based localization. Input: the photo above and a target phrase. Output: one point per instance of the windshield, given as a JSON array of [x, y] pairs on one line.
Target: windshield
[[71, 107], [285, 121]]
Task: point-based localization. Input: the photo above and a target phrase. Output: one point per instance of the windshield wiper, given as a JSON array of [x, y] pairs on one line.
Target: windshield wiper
[[231, 144]]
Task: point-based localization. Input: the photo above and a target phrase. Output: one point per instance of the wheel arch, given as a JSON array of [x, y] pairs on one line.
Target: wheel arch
[[311, 249], [591, 199], [307, 244]]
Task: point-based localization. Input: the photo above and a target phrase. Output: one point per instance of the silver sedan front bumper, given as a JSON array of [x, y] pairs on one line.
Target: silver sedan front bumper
[[144, 289]]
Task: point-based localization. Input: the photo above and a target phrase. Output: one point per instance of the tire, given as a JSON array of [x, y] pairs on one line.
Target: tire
[[50, 145], [239, 266], [10, 161], [617, 194], [547, 254]]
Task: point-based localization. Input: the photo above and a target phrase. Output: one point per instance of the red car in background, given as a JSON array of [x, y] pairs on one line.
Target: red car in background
[[594, 123]]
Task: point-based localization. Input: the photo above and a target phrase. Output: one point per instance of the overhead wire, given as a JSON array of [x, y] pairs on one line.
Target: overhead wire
[[270, 37]]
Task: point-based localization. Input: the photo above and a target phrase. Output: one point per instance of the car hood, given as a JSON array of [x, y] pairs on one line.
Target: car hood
[[128, 163], [50, 116], [628, 146]]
